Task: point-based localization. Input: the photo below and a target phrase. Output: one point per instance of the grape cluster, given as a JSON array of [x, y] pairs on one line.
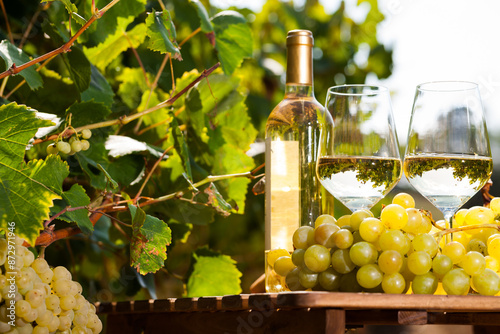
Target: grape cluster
[[46, 299], [74, 145], [400, 252]]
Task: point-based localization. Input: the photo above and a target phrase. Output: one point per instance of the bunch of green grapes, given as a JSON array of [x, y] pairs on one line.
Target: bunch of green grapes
[[74, 145], [46, 299], [400, 252]]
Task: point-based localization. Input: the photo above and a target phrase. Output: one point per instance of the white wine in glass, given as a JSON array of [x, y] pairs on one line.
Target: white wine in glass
[[448, 156], [359, 160]]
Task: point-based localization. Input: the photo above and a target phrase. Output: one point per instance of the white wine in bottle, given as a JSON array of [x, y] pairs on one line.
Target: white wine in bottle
[[294, 196]]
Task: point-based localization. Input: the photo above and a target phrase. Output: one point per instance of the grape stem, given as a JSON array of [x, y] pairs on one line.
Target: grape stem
[[439, 235]]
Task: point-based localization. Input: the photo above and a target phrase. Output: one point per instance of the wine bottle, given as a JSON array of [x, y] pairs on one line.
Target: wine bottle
[[294, 195]]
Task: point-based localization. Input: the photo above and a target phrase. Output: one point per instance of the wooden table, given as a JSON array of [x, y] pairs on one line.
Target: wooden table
[[302, 312]]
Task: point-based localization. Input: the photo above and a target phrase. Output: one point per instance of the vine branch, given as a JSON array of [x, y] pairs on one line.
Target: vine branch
[[14, 69]]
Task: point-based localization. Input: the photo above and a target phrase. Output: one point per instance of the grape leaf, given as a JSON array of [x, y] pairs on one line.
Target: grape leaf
[[181, 147], [233, 39], [185, 212], [212, 197], [78, 65], [150, 238], [206, 25], [103, 54], [75, 197], [212, 274], [14, 56], [72, 10], [99, 89], [132, 86], [88, 112], [162, 34], [26, 190]]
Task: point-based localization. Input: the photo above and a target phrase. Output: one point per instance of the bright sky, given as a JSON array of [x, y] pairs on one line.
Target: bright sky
[[432, 40]]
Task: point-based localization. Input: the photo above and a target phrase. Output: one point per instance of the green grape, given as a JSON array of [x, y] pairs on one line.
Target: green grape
[[349, 282], [52, 301], [86, 133], [341, 261], [329, 279], [343, 239], [394, 217], [456, 282], [478, 215], [52, 149], [324, 219], [324, 234], [85, 144], [394, 240], [492, 263], [303, 237], [414, 221], [487, 283], [426, 243], [23, 308], [298, 257], [369, 276], [274, 254], [405, 200], [393, 283], [76, 146], [425, 284], [485, 234], [476, 245], [345, 220], [419, 262], [307, 278], [317, 258], [426, 225], [292, 280], [494, 247], [358, 216], [459, 217], [441, 264], [370, 229], [35, 297], [473, 263], [282, 266], [356, 237], [454, 250], [461, 237], [390, 261], [495, 205], [363, 253], [61, 272], [63, 147]]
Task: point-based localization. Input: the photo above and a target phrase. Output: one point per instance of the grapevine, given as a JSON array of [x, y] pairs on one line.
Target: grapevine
[[403, 251]]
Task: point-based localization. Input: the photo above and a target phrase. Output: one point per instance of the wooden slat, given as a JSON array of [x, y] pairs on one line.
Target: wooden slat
[[209, 303], [335, 321], [163, 305], [185, 304], [262, 301], [480, 318], [347, 300], [235, 302], [412, 317]]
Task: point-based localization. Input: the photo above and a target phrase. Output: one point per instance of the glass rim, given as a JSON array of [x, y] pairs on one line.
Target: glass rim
[[373, 90], [449, 86]]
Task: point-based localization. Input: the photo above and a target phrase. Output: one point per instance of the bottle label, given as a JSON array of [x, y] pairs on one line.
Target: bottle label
[[282, 193]]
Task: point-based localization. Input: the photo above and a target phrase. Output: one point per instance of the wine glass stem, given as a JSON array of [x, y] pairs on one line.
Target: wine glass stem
[[448, 216]]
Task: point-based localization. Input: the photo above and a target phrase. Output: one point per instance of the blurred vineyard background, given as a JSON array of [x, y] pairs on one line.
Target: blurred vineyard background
[[347, 50]]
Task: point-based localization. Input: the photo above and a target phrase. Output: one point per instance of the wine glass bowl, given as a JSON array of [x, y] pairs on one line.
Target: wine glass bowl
[[359, 161], [448, 156]]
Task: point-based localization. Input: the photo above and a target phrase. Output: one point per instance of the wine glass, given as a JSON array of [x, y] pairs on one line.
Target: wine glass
[[358, 159], [448, 156]]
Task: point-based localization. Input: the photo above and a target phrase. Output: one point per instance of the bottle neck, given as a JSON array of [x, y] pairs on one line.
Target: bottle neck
[[298, 91]]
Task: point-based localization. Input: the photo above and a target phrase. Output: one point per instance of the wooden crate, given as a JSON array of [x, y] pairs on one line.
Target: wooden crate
[[298, 312]]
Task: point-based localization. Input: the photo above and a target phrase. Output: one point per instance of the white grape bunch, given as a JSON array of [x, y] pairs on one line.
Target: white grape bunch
[[47, 300], [402, 252]]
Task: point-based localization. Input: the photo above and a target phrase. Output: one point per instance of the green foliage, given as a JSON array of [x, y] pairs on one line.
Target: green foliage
[[150, 238], [12, 55], [162, 34], [213, 274], [112, 75], [233, 39]]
